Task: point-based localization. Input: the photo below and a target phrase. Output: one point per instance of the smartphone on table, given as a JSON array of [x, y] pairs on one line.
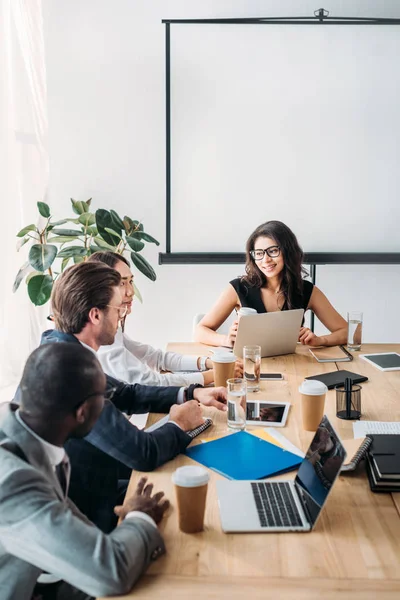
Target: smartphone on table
[[271, 376]]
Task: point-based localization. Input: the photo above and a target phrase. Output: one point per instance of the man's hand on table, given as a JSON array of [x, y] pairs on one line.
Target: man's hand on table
[[212, 397], [143, 501], [188, 415]]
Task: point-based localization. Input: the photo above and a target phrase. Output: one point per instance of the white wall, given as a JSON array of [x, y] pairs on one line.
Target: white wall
[[105, 68]]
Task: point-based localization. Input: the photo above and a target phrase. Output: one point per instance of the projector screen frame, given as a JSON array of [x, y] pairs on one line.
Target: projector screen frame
[[321, 17]]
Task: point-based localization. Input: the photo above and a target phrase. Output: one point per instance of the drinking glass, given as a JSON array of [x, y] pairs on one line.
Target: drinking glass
[[354, 330], [236, 403], [251, 367]]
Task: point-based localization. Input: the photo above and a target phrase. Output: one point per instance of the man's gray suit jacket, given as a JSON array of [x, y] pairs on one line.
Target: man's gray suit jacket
[[41, 530]]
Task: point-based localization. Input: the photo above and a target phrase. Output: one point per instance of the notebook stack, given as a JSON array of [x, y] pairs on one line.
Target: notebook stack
[[383, 463]]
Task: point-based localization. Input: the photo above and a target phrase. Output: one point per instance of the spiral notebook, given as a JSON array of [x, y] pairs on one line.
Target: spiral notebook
[[331, 354], [357, 449], [193, 433]]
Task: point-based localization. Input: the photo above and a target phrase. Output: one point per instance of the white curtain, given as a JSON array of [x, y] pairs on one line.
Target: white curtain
[[24, 165]]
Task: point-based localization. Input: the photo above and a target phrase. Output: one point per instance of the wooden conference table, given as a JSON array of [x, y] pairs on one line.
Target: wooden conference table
[[354, 551]]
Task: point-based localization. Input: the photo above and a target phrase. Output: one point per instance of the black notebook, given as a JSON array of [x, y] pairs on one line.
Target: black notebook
[[385, 452], [335, 378], [383, 465]]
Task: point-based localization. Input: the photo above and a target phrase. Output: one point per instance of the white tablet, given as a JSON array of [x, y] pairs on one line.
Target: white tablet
[[261, 412], [385, 361]]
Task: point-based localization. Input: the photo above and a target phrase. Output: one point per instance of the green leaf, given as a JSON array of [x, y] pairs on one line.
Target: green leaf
[[67, 232], [103, 221], [117, 220], [78, 259], [92, 231], [41, 256], [22, 242], [64, 263], [141, 235], [26, 229], [94, 248], [87, 218], [138, 225], [72, 251], [88, 202], [143, 266], [136, 245], [138, 295], [60, 239], [128, 224], [44, 209], [79, 207], [30, 275], [20, 275], [39, 289], [104, 245], [56, 223], [113, 233]]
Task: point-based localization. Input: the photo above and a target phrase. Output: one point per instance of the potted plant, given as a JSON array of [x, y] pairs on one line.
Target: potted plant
[[54, 246]]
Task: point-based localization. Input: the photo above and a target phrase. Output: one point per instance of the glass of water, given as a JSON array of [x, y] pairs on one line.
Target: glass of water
[[354, 330], [236, 403], [251, 367]]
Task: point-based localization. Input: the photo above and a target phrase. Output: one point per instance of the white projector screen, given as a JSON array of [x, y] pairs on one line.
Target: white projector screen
[[298, 123]]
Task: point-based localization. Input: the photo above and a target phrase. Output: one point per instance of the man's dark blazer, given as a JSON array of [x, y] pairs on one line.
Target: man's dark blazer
[[115, 446]]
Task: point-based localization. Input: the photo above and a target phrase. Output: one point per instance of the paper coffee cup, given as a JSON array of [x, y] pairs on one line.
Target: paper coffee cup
[[313, 394], [224, 367], [191, 491]]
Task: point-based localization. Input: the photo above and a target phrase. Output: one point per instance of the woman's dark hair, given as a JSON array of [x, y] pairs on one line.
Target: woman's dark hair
[[292, 280], [79, 289], [108, 257]]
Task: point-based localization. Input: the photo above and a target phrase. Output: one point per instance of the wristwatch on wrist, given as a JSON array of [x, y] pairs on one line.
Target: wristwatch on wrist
[[189, 391]]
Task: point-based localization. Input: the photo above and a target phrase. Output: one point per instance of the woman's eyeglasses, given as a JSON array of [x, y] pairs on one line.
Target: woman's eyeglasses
[[272, 251], [122, 310]]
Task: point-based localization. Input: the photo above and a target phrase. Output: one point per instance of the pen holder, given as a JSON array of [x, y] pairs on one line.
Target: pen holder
[[348, 404]]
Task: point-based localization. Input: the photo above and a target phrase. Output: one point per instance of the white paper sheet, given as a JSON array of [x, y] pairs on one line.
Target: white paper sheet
[[284, 441], [139, 420], [362, 428]]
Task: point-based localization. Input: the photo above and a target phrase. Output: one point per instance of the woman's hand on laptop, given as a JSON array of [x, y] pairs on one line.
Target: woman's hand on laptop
[[231, 335]]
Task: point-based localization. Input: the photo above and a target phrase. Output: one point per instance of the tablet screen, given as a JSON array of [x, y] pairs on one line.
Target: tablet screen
[[268, 412], [385, 361]]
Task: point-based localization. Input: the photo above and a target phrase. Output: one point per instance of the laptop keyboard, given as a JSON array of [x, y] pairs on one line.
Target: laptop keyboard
[[275, 504]]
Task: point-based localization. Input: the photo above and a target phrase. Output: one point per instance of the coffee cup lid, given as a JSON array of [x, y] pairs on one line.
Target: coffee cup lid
[[313, 387], [223, 357], [245, 310], [190, 476]]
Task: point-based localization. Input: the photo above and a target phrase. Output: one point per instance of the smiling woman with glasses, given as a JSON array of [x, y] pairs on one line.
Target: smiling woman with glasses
[[273, 281]]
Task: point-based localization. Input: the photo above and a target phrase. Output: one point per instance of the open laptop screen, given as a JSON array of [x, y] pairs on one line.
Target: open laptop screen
[[320, 467]]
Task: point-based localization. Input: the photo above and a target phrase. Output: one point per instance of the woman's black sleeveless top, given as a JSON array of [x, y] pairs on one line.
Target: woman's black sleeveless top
[[250, 296]]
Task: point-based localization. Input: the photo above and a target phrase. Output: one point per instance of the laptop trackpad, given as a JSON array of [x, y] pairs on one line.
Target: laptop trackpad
[[237, 506]]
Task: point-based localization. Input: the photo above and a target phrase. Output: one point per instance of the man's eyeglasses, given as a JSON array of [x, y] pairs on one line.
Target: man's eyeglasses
[[107, 394], [122, 310], [272, 251]]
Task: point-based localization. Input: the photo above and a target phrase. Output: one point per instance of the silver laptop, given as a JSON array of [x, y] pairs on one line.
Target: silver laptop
[[275, 506], [276, 332]]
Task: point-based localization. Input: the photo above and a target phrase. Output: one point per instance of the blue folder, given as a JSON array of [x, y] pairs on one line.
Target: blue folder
[[244, 456]]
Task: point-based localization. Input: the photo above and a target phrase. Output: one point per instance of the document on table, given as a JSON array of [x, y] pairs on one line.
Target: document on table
[[363, 428], [139, 420]]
